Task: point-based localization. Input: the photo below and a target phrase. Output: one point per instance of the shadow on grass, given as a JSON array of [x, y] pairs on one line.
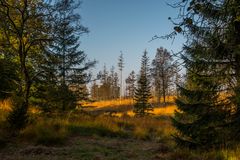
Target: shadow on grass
[[95, 130]]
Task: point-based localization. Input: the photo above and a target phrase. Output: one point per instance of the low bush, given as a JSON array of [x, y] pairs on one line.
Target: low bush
[[141, 133]]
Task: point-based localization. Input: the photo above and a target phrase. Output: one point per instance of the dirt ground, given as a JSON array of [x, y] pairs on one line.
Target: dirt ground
[[88, 148]]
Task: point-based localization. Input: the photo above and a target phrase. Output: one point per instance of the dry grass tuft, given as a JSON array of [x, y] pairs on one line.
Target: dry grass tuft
[[168, 110], [5, 105], [46, 132]]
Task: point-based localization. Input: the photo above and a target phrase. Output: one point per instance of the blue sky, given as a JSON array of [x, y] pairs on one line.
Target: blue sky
[[127, 26]]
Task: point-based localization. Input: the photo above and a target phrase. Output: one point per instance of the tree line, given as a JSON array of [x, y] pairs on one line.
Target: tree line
[[162, 79]]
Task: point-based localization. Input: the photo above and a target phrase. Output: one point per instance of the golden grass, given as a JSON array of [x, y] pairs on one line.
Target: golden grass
[[168, 110], [5, 105], [124, 102], [108, 103], [52, 131], [140, 128], [49, 130], [169, 99], [163, 111], [125, 106]]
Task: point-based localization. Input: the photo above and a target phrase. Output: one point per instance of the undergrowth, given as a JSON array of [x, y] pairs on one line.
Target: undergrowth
[[60, 128], [50, 131]]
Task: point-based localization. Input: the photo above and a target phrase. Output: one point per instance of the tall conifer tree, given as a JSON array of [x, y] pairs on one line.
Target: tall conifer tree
[[143, 90], [208, 105], [69, 63]]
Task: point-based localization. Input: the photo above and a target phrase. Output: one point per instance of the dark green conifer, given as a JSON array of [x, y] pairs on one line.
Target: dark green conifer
[[208, 100], [201, 114], [66, 66], [143, 90]]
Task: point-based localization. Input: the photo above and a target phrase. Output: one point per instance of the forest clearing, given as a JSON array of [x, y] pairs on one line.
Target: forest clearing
[[153, 80], [95, 134]]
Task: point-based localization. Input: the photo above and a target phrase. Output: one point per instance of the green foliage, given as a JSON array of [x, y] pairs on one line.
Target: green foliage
[[63, 82], [23, 33], [208, 107], [51, 98], [8, 77], [202, 116], [143, 91]]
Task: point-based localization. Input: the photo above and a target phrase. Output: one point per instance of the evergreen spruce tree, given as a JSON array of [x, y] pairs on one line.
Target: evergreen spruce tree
[[67, 64], [201, 115], [143, 90], [7, 78], [208, 105]]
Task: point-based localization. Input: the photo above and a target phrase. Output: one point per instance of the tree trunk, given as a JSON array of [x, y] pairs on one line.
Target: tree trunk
[[159, 95], [26, 79], [164, 89]]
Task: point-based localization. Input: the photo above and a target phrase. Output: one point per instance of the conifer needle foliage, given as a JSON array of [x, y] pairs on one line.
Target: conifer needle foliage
[[143, 90]]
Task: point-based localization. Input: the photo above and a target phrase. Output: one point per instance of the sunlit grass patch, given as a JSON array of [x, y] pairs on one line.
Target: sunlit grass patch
[[5, 105], [50, 131], [233, 154], [125, 107], [168, 99], [122, 102], [159, 111], [168, 110], [64, 128], [56, 129], [107, 103]]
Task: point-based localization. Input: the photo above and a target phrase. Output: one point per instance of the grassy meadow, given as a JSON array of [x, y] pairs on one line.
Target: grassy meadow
[[104, 130]]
